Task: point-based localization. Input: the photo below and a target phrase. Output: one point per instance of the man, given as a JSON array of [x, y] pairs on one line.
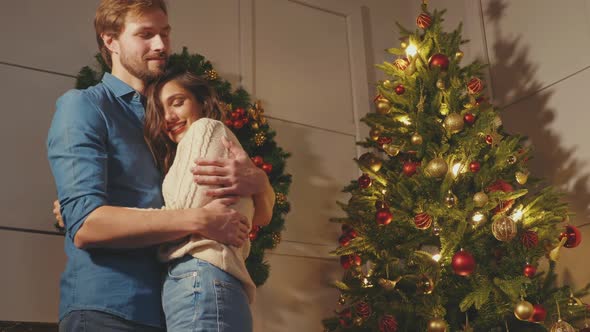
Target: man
[[102, 166]]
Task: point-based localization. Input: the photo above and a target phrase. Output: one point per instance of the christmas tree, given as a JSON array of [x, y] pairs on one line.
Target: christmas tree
[[444, 229]]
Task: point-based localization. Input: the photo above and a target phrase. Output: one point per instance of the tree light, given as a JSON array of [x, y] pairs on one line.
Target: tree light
[[411, 50], [436, 257], [517, 215], [456, 168], [405, 120]]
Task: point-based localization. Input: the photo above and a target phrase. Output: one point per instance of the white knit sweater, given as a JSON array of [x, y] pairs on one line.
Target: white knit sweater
[[203, 140]]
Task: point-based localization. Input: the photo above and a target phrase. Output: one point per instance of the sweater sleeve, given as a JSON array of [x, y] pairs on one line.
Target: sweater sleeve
[[202, 140]]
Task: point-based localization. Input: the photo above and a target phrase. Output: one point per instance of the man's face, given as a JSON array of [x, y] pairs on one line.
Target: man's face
[[144, 44]]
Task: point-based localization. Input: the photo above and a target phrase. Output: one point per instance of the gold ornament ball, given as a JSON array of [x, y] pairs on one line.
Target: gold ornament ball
[[255, 125], [454, 123], [437, 325], [383, 106], [403, 44], [511, 160], [459, 55], [521, 177], [480, 199], [371, 161], [523, 310], [276, 239], [341, 300], [436, 229], [387, 84], [374, 133], [416, 139], [497, 122], [451, 199], [504, 228], [441, 84], [358, 321], [259, 139], [281, 198], [391, 150], [425, 285], [437, 168], [562, 326]]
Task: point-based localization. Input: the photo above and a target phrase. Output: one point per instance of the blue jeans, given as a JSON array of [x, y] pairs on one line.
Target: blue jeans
[[198, 296], [97, 321]]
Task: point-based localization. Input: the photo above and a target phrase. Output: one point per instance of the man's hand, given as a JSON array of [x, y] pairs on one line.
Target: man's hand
[[57, 214], [225, 225], [236, 175]]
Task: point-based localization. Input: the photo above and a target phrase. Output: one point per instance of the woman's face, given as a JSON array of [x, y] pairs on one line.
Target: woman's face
[[181, 109]]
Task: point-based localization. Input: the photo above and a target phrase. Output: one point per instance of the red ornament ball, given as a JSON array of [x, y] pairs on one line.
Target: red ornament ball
[[474, 166], [410, 168], [235, 115], [267, 167], [424, 21], [463, 263], [529, 271], [349, 260], [401, 63], [529, 239], [439, 61], [345, 318], [474, 86], [384, 140], [399, 90], [241, 112], [383, 216], [387, 323], [363, 309], [253, 235], [364, 181], [539, 313], [344, 240], [469, 118], [501, 185], [422, 220], [351, 233], [489, 140], [258, 161], [573, 235]]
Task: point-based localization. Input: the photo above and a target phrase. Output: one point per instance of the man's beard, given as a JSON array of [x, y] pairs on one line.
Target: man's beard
[[140, 68]]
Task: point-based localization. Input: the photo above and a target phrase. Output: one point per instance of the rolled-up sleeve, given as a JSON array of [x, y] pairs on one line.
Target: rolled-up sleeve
[[77, 153]]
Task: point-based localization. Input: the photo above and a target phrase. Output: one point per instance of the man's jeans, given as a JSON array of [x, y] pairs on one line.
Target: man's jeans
[[198, 296], [96, 321]]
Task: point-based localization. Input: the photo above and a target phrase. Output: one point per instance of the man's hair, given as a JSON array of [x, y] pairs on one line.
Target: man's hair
[[110, 19]]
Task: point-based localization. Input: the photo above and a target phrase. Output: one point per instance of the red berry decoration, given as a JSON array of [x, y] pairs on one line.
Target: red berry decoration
[[254, 232], [237, 124], [387, 323], [235, 115], [400, 89], [474, 86], [424, 21], [409, 168], [529, 271], [501, 185], [229, 123], [401, 63], [258, 161], [364, 181], [349, 260], [439, 61], [267, 167], [463, 263], [383, 216], [474, 166], [539, 313], [422, 220], [469, 118], [573, 235], [529, 239], [363, 309]]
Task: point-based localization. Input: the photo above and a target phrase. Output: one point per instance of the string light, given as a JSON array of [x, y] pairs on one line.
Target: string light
[[517, 214], [411, 50], [436, 257]]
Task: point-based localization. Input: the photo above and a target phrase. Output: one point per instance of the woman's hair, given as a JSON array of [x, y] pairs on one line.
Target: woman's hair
[[162, 147], [110, 19]]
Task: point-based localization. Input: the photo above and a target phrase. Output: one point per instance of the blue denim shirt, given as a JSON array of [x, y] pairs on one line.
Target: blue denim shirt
[[98, 157]]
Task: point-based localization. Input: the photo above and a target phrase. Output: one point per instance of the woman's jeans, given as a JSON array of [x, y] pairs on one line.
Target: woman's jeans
[[198, 296]]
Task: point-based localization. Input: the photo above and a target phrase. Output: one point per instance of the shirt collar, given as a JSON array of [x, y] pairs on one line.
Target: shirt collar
[[118, 87]]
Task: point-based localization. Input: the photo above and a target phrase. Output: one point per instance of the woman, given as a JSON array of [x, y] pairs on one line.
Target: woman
[[207, 287]]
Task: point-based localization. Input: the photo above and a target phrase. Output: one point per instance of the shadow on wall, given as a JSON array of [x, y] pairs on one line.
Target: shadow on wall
[[516, 89]]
